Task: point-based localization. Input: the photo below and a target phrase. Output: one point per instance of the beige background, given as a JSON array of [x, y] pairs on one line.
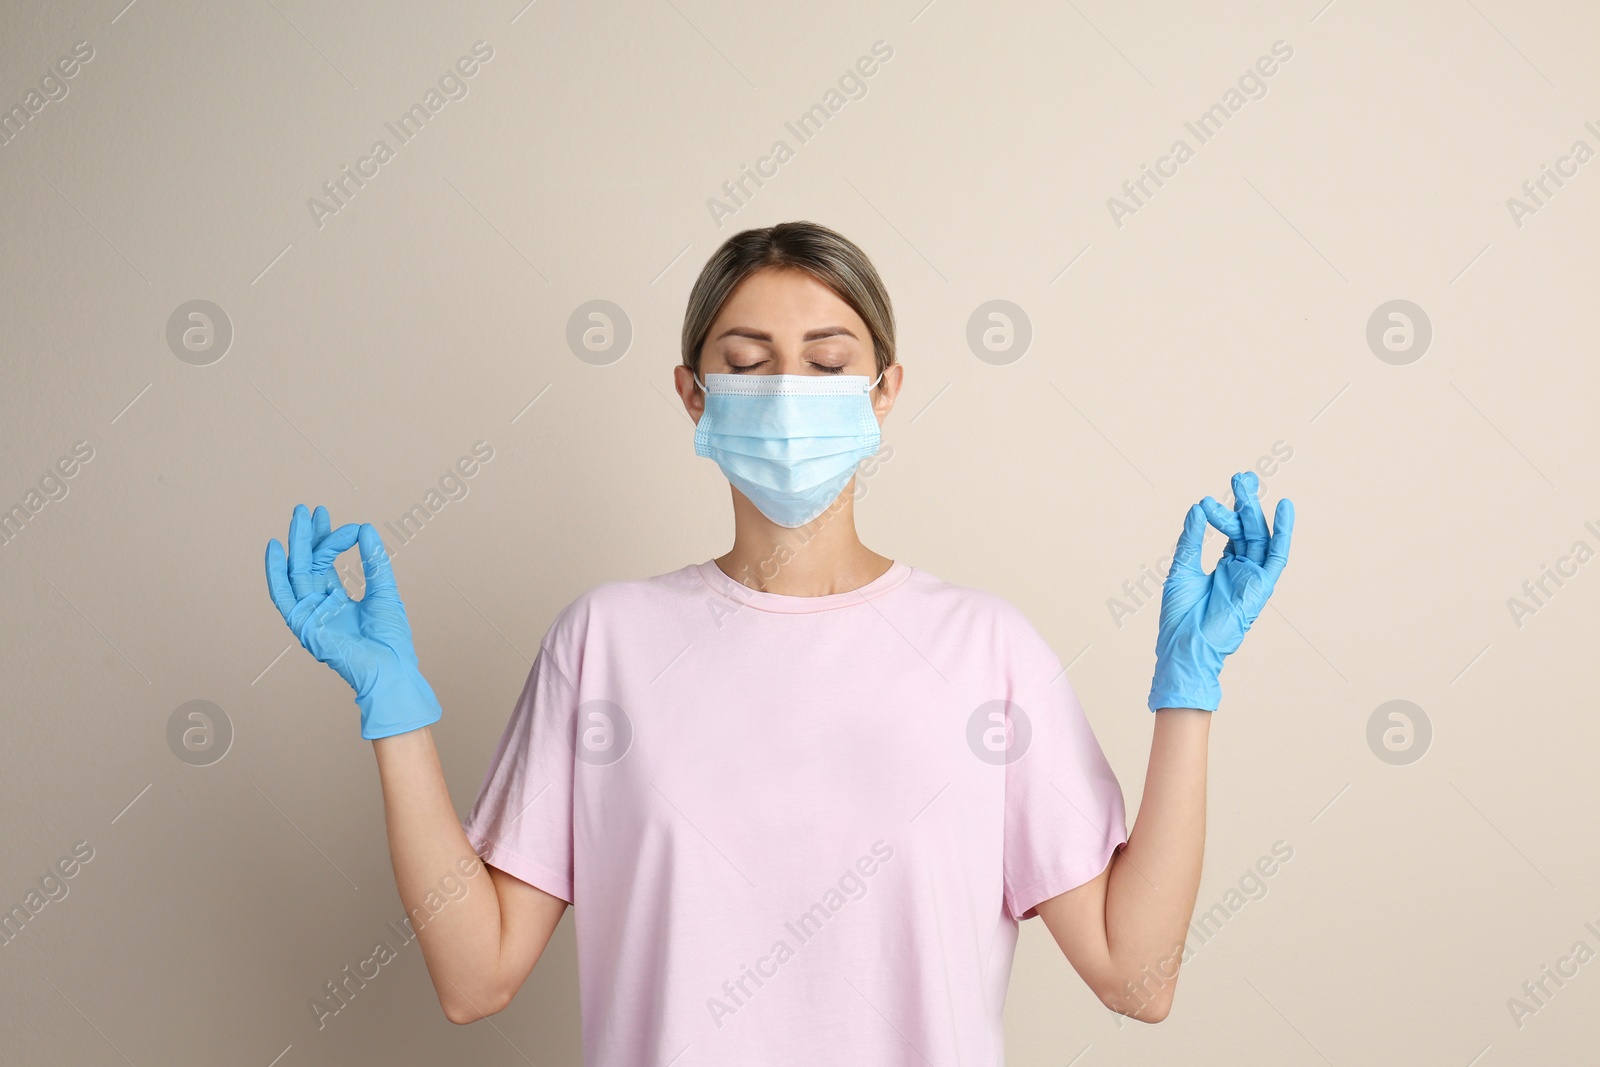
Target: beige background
[[1227, 314]]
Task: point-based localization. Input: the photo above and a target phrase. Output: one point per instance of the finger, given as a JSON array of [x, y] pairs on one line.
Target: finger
[[1278, 550], [320, 525], [341, 540], [300, 551], [278, 579], [1248, 507], [1227, 521], [1186, 557], [375, 564]]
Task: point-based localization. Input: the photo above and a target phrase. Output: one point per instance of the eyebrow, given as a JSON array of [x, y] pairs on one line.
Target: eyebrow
[[762, 335]]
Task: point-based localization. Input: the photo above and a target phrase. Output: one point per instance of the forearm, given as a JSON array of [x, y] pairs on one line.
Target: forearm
[[1154, 881], [456, 914]]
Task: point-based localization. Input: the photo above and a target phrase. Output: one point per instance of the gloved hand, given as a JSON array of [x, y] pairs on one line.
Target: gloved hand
[[368, 641], [1204, 617]]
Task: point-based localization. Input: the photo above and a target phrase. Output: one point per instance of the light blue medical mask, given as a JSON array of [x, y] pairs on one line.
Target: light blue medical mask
[[789, 442]]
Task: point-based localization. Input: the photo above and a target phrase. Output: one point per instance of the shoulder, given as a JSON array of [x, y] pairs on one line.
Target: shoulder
[[604, 605], [982, 613]]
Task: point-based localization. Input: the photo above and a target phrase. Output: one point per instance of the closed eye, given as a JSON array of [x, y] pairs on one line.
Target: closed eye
[[823, 367]]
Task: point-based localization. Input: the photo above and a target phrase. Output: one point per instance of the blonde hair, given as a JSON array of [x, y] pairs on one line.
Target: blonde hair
[[829, 257]]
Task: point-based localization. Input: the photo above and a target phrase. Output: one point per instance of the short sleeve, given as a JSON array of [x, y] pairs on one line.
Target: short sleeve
[[521, 821], [1064, 814]]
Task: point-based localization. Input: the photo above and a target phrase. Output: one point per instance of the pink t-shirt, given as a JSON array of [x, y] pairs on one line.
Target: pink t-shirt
[[796, 830]]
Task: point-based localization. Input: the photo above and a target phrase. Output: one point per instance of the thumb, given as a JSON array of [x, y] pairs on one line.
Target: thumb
[[1253, 594], [1186, 557], [1278, 546], [375, 564]]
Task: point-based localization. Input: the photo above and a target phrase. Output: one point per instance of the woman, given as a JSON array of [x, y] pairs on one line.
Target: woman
[[800, 794]]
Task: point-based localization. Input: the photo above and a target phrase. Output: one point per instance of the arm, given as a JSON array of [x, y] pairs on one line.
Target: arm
[[481, 946], [482, 938], [1123, 931]]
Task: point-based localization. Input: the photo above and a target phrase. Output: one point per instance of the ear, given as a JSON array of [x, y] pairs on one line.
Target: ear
[[694, 401], [884, 395]]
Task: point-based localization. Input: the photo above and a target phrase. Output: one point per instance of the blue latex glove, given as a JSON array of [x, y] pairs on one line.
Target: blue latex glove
[[1204, 617], [368, 641]]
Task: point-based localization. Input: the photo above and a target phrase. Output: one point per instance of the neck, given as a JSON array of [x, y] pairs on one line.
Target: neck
[[822, 557]]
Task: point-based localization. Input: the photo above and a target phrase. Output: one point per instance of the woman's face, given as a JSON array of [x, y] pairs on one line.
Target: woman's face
[[787, 322]]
